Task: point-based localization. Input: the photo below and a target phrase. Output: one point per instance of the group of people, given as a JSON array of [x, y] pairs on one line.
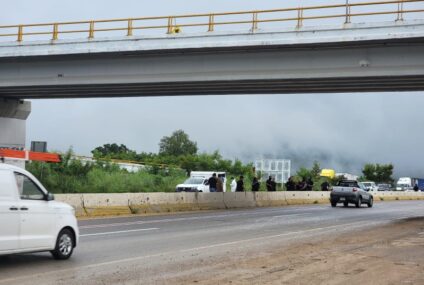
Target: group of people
[[216, 184], [304, 185], [238, 186]]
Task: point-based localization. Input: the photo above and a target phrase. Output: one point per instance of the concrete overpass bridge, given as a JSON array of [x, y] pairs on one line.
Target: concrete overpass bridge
[[340, 56]]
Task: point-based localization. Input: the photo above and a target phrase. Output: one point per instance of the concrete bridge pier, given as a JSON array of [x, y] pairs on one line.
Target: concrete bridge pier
[[13, 115]]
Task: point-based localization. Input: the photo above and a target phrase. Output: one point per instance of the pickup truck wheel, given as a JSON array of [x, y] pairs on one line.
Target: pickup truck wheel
[[359, 202], [345, 204], [371, 202], [64, 245]]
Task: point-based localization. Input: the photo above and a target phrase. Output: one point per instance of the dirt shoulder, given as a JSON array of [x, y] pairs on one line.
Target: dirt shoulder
[[391, 254]]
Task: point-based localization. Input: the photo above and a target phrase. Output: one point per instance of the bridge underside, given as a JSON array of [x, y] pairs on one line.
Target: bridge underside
[[360, 66], [271, 86]]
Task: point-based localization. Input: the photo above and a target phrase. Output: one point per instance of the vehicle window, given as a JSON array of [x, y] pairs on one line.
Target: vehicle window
[[28, 190], [348, 184], [194, 181]]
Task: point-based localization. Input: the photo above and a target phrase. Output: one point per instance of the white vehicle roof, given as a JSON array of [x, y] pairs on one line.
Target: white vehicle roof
[[4, 166]]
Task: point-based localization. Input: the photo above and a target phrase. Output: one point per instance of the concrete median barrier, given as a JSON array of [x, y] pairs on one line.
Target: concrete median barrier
[[113, 204], [147, 203], [140, 203], [210, 201], [75, 200], [233, 200]]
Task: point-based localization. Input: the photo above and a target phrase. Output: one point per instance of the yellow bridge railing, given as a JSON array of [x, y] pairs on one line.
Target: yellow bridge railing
[[253, 19]]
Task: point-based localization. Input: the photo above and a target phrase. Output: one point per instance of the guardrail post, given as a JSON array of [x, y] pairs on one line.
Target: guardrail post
[[400, 11], [211, 23], [55, 31], [91, 31], [130, 28], [347, 20], [170, 20], [20, 33], [254, 21], [299, 17]]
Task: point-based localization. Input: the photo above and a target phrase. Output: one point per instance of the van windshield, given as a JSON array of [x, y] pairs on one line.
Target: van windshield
[[194, 180]]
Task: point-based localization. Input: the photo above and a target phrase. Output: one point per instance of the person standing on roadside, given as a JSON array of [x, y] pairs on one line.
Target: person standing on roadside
[[240, 184], [219, 185], [255, 184], [269, 184], [233, 184], [325, 186], [212, 183], [416, 188]]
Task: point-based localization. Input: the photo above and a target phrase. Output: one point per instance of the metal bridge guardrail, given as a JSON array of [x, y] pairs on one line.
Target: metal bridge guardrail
[[171, 25]]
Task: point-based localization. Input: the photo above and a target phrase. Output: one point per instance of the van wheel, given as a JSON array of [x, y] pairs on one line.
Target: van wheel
[[64, 245], [333, 204], [345, 204]]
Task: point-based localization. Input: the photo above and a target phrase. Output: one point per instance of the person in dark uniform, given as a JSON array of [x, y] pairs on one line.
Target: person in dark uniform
[[255, 184], [325, 186], [269, 184], [212, 183], [240, 184], [290, 185]]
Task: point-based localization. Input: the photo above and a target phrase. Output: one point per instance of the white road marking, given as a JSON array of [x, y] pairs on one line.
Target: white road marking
[[179, 219], [138, 258], [118, 232]]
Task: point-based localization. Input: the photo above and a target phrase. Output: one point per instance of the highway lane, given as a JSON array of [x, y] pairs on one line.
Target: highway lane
[[129, 248]]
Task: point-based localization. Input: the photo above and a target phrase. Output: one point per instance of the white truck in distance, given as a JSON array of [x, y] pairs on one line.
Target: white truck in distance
[[408, 183], [30, 219], [198, 181]]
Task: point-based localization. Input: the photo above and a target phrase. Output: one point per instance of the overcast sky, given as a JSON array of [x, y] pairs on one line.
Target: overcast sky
[[342, 131]]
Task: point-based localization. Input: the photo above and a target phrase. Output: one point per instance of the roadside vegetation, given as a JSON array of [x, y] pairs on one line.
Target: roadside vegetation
[[162, 171]]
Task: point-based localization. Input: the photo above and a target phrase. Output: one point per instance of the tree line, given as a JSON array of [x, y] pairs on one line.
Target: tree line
[[176, 158]]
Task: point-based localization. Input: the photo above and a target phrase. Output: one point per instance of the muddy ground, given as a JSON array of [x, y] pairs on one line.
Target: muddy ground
[[391, 254]]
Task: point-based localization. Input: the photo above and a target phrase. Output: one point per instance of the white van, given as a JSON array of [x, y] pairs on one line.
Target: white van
[[198, 181], [30, 219], [370, 186]]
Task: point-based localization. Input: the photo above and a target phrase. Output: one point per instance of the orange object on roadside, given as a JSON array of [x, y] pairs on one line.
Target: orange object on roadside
[[29, 155]]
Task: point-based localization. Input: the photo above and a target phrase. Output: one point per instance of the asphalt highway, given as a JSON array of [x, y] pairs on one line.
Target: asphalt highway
[[136, 250]]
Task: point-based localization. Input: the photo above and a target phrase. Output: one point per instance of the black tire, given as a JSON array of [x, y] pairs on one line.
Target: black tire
[[359, 202], [345, 204], [64, 245], [333, 204], [370, 203]]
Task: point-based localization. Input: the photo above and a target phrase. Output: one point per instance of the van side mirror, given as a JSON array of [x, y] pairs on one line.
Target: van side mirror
[[49, 197]]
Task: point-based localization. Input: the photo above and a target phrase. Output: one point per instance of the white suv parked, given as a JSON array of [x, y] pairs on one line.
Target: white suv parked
[[30, 221]]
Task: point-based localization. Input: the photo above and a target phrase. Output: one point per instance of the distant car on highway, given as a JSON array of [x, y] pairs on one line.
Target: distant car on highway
[[370, 186], [350, 191], [383, 187], [30, 219]]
